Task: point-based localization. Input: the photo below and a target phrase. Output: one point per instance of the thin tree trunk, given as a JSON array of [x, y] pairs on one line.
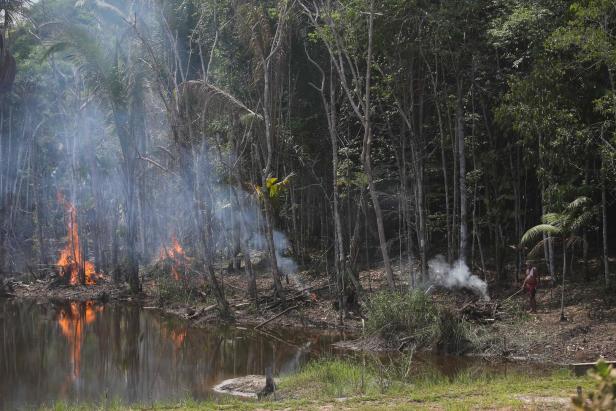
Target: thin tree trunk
[[462, 175], [269, 139], [367, 157], [40, 207], [252, 279], [441, 129], [606, 266], [562, 295]]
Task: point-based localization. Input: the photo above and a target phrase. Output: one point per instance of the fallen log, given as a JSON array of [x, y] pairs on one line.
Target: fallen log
[[243, 304], [202, 311], [276, 316], [581, 368]]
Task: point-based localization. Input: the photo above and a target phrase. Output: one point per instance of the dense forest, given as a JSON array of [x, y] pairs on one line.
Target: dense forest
[[307, 204], [330, 135]]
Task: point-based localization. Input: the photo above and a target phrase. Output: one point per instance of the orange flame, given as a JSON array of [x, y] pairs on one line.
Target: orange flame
[[176, 254], [177, 337], [71, 259], [72, 323]]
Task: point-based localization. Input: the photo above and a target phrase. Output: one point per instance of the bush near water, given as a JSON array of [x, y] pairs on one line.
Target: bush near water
[[415, 319]]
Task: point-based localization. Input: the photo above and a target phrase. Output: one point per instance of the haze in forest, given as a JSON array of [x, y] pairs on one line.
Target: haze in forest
[[438, 175]]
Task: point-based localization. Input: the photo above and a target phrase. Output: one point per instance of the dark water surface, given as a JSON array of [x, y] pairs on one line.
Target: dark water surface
[[86, 351]]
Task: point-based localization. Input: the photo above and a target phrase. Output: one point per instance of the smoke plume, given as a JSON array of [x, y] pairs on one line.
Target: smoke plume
[[457, 275]]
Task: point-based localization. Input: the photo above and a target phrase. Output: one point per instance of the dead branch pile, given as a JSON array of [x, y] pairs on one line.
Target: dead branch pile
[[480, 311]]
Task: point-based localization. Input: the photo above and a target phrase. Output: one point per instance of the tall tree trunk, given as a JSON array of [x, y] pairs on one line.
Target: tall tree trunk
[[606, 266], [367, 157], [40, 207], [115, 247], [562, 294], [379, 216], [131, 246], [463, 251], [422, 226], [434, 79], [241, 220], [268, 106]]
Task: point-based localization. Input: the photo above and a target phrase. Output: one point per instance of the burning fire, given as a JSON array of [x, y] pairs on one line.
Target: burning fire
[[175, 253], [178, 336], [72, 322], [71, 259]]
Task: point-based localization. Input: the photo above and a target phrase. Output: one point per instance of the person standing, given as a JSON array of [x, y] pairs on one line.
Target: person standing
[[531, 282]]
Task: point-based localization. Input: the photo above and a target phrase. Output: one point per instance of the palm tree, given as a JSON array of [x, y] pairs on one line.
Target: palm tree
[[563, 227], [12, 8], [8, 67]]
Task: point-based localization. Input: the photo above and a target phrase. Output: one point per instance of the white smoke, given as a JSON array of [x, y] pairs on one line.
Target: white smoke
[[286, 264], [457, 275]]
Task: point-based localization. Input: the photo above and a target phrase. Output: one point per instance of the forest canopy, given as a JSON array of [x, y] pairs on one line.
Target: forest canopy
[[330, 135]]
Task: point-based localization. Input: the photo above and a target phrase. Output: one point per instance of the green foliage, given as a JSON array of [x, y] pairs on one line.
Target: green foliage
[[604, 396], [275, 188], [414, 317], [393, 314], [12, 9], [335, 378], [454, 334], [519, 31], [576, 216]]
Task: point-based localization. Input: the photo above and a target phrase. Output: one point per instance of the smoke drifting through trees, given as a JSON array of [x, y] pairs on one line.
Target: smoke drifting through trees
[[105, 114], [410, 129], [456, 276]]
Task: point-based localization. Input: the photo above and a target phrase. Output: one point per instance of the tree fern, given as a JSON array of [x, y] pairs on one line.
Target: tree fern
[[538, 230]]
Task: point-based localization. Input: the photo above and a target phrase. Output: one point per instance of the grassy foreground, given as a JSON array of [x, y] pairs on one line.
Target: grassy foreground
[[337, 384]]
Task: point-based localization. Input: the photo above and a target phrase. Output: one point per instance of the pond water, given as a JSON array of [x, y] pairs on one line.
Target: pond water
[[91, 352], [88, 352]]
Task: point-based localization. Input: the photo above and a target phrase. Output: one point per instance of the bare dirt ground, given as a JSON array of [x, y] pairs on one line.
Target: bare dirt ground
[[588, 334]]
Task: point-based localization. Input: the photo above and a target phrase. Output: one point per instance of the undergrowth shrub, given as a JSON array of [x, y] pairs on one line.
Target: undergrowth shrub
[[170, 290], [413, 317], [604, 398], [393, 314], [454, 333]]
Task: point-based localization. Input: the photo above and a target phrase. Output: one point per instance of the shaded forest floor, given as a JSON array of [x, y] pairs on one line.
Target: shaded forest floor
[[503, 327]]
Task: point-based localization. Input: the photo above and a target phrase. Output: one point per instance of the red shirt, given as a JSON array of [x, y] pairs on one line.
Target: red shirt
[[531, 282]]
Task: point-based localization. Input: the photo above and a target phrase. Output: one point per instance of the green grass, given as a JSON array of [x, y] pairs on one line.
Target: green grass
[[339, 383]]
